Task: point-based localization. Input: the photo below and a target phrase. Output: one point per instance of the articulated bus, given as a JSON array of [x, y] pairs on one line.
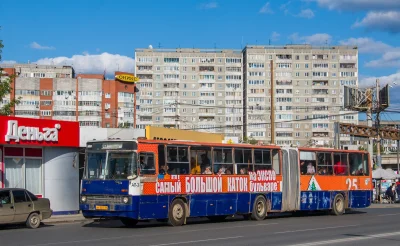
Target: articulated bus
[[143, 180]]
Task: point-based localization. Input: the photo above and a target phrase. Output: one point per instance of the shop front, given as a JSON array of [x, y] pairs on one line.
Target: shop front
[[41, 156]]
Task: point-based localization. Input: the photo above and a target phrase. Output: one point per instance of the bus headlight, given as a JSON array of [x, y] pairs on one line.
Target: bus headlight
[[126, 199], [83, 198]]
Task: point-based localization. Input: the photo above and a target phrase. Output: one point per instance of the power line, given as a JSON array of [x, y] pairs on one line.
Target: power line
[[276, 122]]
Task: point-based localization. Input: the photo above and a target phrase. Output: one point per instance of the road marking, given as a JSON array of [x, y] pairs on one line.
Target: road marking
[[148, 235], [388, 214], [197, 241], [316, 229], [350, 239]]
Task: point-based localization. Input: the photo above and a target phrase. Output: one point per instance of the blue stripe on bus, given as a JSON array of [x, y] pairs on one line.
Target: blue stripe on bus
[[156, 207], [105, 187]]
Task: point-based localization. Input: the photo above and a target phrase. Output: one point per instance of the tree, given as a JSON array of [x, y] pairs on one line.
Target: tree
[[6, 89], [249, 140]]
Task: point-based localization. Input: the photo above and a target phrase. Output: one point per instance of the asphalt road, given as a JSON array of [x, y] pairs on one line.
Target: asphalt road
[[361, 227]]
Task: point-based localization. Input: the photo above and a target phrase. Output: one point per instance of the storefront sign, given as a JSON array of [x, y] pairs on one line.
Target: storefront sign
[[40, 132], [127, 78], [31, 133]]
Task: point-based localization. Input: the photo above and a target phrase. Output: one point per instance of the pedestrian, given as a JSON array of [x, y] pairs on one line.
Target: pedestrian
[[390, 192]]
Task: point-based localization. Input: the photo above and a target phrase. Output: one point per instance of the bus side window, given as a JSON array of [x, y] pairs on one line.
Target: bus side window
[[365, 164], [275, 161], [223, 163], [243, 161], [262, 159], [324, 164], [340, 164], [146, 162], [178, 160], [356, 164], [161, 159], [307, 163]]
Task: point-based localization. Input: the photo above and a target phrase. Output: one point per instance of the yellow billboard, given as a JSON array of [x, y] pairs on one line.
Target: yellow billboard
[[127, 78], [161, 133]]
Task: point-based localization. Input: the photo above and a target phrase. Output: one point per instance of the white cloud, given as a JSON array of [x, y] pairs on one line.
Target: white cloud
[[367, 45], [266, 9], [316, 39], [211, 5], [94, 63], [384, 21], [389, 59], [275, 36], [306, 13], [359, 5], [35, 45], [383, 80], [285, 7], [8, 62]]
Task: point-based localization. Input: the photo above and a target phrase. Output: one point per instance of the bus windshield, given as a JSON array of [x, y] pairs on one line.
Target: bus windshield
[[111, 165]]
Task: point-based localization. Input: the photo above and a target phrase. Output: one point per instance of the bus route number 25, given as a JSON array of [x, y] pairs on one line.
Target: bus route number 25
[[351, 184]]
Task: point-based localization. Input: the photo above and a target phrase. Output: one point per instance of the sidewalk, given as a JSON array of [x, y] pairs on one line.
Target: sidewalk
[[72, 218], [385, 205]]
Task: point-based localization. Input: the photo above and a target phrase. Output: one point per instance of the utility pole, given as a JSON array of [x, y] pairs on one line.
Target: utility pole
[[134, 106], [272, 103], [377, 125], [398, 149], [176, 114], [369, 123]]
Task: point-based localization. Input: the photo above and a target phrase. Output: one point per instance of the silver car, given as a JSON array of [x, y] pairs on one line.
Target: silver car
[[21, 206]]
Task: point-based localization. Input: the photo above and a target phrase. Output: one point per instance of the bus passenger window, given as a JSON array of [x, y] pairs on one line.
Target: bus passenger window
[[340, 164], [223, 163], [356, 164], [275, 161], [244, 161], [307, 163], [177, 160], [146, 163], [262, 159], [324, 165], [200, 160]]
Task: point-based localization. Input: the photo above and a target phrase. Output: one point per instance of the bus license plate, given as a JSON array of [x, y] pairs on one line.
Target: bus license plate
[[101, 207]]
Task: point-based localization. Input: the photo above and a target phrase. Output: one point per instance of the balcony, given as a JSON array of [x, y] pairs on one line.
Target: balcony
[[284, 82]]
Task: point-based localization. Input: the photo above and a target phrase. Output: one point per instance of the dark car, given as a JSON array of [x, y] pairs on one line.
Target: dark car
[[21, 206]]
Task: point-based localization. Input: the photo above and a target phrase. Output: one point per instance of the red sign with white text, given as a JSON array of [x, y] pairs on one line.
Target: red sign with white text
[[39, 132]]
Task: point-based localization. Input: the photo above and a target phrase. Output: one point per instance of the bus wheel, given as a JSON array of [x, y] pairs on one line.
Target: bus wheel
[[259, 209], [177, 213], [129, 222], [338, 205]]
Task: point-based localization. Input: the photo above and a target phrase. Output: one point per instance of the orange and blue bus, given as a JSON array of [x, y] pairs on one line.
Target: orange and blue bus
[[142, 180]]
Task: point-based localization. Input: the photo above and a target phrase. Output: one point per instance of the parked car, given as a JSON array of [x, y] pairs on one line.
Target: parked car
[[21, 206]]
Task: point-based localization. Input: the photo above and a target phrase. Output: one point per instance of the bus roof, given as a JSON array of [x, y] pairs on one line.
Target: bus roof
[[331, 150], [183, 142]]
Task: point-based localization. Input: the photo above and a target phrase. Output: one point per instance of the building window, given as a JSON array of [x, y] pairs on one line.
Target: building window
[[45, 112], [108, 95], [23, 169]]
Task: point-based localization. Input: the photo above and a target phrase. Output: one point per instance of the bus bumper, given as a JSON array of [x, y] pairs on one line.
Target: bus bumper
[[118, 211]]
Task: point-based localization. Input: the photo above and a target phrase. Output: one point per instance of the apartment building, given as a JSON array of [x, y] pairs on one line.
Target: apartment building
[[191, 89], [308, 92], [55, 92]]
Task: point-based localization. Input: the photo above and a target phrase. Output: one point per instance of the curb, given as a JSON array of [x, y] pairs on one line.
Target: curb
[[65, 221]]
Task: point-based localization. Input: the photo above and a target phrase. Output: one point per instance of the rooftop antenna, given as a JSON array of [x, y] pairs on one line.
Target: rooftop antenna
[[269, 41], [159, 45]]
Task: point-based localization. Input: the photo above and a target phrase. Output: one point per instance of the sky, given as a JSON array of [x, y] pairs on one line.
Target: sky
[[102, 35]]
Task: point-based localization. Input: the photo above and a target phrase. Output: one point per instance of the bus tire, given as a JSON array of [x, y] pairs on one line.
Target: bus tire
[[259, 209], [128, 222], [338, 207], [177, 213]]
